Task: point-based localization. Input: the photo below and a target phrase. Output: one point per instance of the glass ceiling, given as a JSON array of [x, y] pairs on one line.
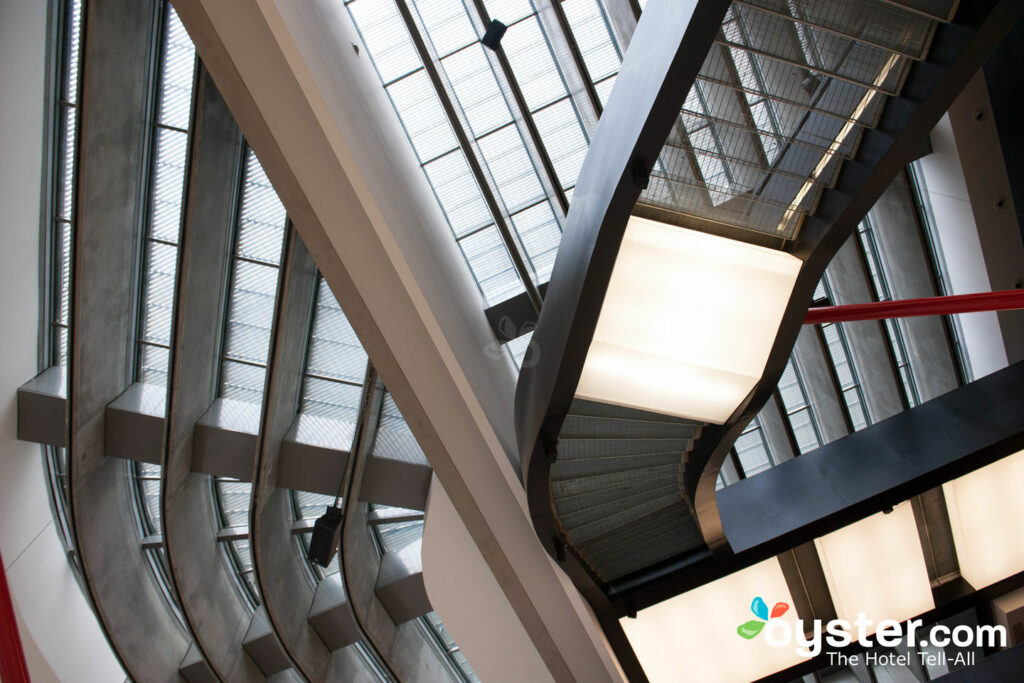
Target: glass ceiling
[[782, 98]]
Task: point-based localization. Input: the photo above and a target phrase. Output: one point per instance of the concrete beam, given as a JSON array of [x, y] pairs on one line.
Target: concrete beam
[[43, 408], [193, 667], [263, 646], [225, 439], [895, 225], [314, 454], [811, 362], [402, 646], [331, 616], [399, 584], [397, 472], [329, 140], [209, 599], [117, 59], [279, 571], [135, 423], [867, 340]]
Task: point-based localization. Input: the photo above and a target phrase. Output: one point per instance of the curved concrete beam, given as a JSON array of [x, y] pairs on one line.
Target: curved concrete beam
[[283, 583], [209, 600], [116, 63], [401, 645]]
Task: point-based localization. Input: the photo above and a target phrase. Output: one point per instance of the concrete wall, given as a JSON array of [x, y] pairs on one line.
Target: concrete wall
[[62, 638]]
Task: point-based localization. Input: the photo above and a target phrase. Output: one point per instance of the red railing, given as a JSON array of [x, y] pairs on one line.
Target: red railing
[[12, 657], [906, 308]]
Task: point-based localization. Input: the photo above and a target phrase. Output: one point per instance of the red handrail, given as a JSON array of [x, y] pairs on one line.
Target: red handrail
[[12, 657], [907, 308]]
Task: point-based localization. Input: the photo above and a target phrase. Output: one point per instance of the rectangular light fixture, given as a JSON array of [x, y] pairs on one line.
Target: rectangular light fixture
[[688, 322], [986, 513], [876, 567], [694, 636]]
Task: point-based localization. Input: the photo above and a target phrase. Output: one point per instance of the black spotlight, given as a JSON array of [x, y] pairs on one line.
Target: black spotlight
[[326, 537], [492, 37]]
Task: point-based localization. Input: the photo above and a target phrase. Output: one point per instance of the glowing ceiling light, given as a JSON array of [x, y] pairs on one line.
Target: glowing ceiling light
[[986, 513], [695, 636], [687, 323], [876, 567]]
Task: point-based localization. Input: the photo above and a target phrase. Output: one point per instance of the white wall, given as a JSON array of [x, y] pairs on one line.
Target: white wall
[[961, 247], [470, 602], [62, 638]]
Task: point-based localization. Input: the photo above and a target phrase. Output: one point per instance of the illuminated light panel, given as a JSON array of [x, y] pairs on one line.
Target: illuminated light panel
[[687, 323], [876, 566], [986, 512], [693, 636]]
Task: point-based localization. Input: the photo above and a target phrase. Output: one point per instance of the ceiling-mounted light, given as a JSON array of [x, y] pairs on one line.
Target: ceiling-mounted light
[[687, 323], [695, 636], [986, 513], [876, 567]]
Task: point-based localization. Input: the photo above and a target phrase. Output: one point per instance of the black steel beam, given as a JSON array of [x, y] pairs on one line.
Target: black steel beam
[[879, 466]]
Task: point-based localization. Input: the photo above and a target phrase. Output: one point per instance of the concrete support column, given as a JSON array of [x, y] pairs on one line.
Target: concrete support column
[[776, 431], [812, 363], [905, 259], [117, 64], [868, 345]]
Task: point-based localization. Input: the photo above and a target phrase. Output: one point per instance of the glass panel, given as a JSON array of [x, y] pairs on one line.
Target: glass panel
[[458, 193], [592, 31], [511, 167], [560, 129], [798, 410], [169, 157], [538, 229], [158, 293], [492, 265], [477, 90], [166, 189], [176, 74], [752, 449], [250, 312], [262, 222]]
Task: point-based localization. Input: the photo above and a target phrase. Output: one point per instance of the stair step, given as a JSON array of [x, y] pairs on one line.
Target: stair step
[[564, 470], [572, 449], [572, 511], [588, 426], [603, 482], [584, 407]]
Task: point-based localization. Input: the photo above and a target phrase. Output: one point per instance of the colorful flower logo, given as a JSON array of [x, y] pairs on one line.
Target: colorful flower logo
[[760, 609]]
